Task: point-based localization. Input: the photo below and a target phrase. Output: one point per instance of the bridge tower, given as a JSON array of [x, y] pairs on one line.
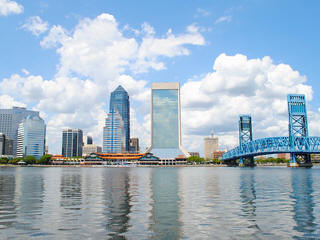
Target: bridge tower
[[298, 127], [245, 135]]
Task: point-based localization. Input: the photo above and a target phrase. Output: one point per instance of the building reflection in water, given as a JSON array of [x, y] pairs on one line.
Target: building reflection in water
[[70, 198], [7, 197], [165, 207], [248, 200], [29, 198], [302, 194], [117, 202]]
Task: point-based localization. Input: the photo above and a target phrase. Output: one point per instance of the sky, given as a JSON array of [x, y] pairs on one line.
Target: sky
[[63, 58]]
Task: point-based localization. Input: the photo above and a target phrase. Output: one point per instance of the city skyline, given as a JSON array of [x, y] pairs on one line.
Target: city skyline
[[62, 61]]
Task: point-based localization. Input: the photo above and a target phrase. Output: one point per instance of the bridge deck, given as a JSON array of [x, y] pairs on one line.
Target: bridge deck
[[274, 145]]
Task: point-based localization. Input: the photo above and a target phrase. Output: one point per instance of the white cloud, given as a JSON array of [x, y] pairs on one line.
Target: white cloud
[[223, 19], [35, 25], [238, 85], [7, 102], [202, 13], [95, 57], [8, 7]]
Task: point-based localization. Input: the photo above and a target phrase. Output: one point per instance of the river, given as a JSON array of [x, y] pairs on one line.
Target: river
[[159, 203]]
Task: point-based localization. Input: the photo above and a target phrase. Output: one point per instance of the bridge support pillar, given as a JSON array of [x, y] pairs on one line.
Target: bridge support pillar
[[300, 160], [247, 162]]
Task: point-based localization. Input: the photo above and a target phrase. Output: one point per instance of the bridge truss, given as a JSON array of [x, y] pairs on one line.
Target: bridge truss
[[298, 144]]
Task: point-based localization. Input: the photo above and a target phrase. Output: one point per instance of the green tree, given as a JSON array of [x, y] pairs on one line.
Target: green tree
[[30, 159], [4, 160], [195, 159], [15, 160], [45, 159]]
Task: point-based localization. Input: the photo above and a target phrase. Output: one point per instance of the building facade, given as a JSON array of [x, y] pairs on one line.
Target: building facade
[[91, 148], [31, 137], [119, 102], [89, 140], [166, 121], [10, 120], [134, 145], [6, 145], [114, 134], [72, 142], [211, 144]]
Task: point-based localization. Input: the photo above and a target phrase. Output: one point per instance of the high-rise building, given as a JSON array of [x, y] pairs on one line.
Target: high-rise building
[[166, 121], [31, 137], [89, 140], [10, 120], [6, 145], [134, 145], [211, 144], [2, 143], [119, 102], [72, 142], [114, 134]]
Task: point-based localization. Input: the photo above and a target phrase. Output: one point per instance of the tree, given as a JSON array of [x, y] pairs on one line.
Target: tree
[[45, 159], [4, 160], [195, 159], [30, 159]]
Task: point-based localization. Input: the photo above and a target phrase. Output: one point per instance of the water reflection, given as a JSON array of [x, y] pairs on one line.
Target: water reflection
[[7, 203], [302, 194], [248, 199], [117, 202], [165, 207]]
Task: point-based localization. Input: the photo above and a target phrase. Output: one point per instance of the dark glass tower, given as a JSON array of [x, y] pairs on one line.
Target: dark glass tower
[[119, 101]]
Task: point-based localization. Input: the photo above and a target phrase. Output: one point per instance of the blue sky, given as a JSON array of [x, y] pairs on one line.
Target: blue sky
[[286, 31]]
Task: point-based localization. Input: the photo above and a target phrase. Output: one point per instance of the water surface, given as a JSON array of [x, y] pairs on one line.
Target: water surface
[[159, 203]]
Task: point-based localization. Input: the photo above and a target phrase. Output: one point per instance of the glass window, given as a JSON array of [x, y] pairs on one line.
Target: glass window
[[165, 118]]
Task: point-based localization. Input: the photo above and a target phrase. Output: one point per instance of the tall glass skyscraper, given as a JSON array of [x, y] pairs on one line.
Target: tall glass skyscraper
[[10, 120], [72, 142], [119, 102], [165, 121], [31, 137], [114, 134]]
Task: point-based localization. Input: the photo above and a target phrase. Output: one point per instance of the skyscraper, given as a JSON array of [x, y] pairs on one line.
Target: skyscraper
[[166, 121], [114, 134], [31, 137], [119, 101], [72, 142], [10, 120]]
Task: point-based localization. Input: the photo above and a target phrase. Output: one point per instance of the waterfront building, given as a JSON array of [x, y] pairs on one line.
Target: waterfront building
[[218, 154], [10, 120], [114, 134], [91, 148], [89, 140], [31, 137], [72, 142], [211, 144], [119, 102], [134, 145], [194, 154], [166, 121], [2, 143], [285, 156]]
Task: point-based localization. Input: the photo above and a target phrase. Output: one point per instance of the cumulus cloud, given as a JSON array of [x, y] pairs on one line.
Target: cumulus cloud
[[223, 19], [95, 57], [35, 25], [8, 102], [8, 7], [238, 85]]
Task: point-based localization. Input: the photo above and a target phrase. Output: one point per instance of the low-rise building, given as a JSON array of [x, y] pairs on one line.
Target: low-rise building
[[194, 154], [90, 148], [217, 154]]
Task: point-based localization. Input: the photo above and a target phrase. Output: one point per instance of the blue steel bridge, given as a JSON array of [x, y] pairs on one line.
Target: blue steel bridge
[[298, 143]]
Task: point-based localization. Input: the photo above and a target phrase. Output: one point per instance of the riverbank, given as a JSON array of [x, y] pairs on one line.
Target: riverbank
[[144, 166]]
